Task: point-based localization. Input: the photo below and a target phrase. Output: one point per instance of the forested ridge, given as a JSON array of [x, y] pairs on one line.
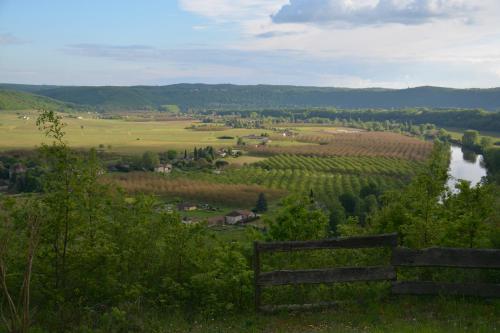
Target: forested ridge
[[227, 96]]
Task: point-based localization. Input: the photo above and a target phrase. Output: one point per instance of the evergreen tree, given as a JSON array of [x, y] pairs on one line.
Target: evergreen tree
[[261, 205]]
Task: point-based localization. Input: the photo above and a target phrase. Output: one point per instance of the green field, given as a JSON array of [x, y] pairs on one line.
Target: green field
[[121, 135]]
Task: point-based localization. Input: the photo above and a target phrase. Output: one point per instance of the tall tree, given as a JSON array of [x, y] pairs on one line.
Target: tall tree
[[298, 220], [261, 205], [470, 138]]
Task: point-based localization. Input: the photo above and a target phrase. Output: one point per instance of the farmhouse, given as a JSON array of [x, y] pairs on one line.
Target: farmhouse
[[164, 168], [237, 216]]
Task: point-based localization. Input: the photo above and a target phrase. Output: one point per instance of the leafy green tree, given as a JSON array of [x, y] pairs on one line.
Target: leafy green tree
[[416, 212], [468, 213], [298, 220], [485, 142], [350, 202], [150, 160], [470, 138], [172, 154], [336, 217]]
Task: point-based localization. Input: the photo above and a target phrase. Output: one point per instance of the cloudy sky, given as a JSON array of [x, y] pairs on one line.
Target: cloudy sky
[[350, 43]]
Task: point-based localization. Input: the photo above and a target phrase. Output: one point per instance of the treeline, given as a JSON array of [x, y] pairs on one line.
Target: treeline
[[460, 118]]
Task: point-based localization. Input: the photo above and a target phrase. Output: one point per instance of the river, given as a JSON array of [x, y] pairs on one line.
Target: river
[[466, 165]]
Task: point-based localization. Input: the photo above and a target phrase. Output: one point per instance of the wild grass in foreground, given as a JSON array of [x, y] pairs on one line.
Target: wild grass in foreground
[[407, 314]]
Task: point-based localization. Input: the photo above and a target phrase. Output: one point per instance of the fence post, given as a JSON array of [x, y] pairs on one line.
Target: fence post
[[256, 272]]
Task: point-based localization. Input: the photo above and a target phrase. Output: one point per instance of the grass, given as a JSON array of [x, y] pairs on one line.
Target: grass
[[123, 136], [401, 315], [245, 159]]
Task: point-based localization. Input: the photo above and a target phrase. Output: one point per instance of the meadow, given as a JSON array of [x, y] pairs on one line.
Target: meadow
[[117, 135], [18, 131]]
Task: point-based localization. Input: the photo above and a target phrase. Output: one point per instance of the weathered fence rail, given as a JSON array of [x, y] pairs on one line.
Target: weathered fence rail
[[446, 257], [314, 276], [401, 257]]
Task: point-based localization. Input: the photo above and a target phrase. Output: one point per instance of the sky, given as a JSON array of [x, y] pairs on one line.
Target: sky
[[337, 43]]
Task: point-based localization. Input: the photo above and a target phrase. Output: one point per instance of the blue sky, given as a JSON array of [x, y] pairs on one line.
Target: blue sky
[[353, 43]]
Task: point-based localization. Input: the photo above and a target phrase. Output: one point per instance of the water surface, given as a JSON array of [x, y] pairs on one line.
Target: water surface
[[466, 165]]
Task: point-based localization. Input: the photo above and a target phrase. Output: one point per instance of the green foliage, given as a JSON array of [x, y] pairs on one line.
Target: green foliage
[[298, 220], [468, 215], [470, 138], [415, 212], [233, 97], [492, 160], [150, 160], [171, 154], [485, 143], [427, 214], [16, 100]]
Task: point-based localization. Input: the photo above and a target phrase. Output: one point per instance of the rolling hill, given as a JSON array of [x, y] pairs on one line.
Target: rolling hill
[[226, 96], [17, 100]]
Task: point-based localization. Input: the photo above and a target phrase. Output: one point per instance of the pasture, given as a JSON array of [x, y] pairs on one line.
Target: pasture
[[121, 135]]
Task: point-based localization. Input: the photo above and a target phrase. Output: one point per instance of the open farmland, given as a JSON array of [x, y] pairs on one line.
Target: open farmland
[[121, 136], [324, 184], [195, 190], [383, 144], [341, 164], [328, 160], [350, 162]]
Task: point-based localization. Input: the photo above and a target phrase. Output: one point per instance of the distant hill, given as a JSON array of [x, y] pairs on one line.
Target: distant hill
[[226, 96], [17, 100]]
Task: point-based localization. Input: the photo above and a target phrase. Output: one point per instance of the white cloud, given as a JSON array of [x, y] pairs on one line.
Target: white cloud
[[372, 11], [232, 10]]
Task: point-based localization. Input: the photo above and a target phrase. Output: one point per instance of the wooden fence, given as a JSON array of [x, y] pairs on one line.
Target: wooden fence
[[446, 257], [401, 257]]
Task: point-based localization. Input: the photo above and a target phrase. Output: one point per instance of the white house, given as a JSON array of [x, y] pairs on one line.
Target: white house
[[164, 168], [237, 216]]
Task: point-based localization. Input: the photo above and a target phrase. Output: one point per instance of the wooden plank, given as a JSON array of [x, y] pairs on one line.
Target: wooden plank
[[386, 240], [344, 274], [434, 288], [294, 307], [447, 257], [256, 273]]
